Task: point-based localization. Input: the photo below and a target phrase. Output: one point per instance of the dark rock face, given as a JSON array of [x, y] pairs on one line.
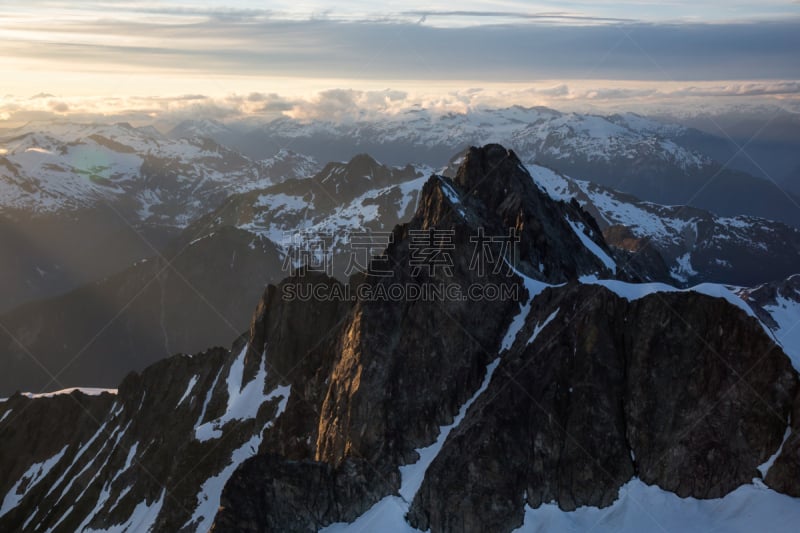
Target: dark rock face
[[608, 390], [390, 369], [361, 173], [637, 256], [34, 430], [505, 195], [291, 330], [269, 493], [710, 394], [785, 472]]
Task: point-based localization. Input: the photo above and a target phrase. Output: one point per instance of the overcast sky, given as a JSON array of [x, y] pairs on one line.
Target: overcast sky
[[171, 56]]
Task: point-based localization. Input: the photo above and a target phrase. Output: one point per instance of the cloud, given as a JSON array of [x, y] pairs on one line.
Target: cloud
[[57, 106], [344, 105], [742, 89], [614, 93], [559, 90], [553, 17], [529, 46], [191, 97], [349, 105]]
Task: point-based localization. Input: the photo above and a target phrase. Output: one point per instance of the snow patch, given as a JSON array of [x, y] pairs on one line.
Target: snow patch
[[641, 507], [36, 473], [77, 458], [189, 388], [210, 492], [592, 246], [386, 516], [534, 287], [243, 401], [552, 183], [412, 475], [103, 499], [539, 327], [683, 270], [142, 519], [635, 291], [764, 468], [37, 150], [209, 394], [452, 197], [89, 391], [786, 314]]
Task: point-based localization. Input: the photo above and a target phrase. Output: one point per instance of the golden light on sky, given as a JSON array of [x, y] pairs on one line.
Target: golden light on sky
[[157, 58]]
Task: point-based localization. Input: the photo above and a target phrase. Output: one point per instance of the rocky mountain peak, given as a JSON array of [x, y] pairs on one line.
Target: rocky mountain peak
[[486, 168], [361, 173], [493, 191]]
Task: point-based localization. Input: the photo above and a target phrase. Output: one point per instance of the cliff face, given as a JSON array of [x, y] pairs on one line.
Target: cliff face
[[459, 410], [607, 390]]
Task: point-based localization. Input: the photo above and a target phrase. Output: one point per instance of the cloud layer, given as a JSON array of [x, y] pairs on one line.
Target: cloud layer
[[400, 51], [227, 59], [173, 39], [348, 105]]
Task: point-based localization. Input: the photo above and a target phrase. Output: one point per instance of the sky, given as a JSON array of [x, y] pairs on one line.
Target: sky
[[168, 59]]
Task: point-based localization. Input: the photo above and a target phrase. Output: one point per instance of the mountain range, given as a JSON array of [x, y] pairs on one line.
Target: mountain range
[[656, 161], [596, 394]]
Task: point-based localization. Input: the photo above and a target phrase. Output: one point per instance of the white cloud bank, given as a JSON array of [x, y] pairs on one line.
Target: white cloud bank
[[347, 105]]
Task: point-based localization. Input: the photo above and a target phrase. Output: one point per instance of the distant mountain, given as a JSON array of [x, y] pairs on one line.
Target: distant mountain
[[149, 178], [762, 141], [696, 245], [341, 200], [198, 294], [652, 160], [199, 129], [49, 254], [81, 202], [583, 393]]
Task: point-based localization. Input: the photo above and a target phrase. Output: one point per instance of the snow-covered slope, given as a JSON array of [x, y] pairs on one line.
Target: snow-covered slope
[[697, 245], [533, 132], [778, 306], [342, 200], [89, 391], [54, 167]]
